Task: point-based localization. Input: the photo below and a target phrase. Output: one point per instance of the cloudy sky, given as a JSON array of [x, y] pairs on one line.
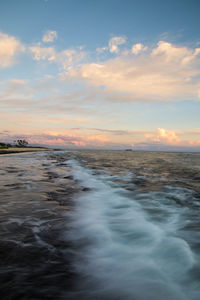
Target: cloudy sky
[[101, 73]]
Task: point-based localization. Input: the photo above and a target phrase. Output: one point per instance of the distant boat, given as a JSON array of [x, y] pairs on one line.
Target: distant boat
[[128, 150]]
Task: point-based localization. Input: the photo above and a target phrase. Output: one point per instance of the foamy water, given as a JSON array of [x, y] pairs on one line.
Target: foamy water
[[130, 246]]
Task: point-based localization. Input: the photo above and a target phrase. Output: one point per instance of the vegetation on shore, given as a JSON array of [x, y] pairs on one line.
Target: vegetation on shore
[[17, 143], [4, 146], [19, 146]]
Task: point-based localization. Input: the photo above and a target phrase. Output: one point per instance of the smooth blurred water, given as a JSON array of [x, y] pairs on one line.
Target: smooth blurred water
[[100, 225]]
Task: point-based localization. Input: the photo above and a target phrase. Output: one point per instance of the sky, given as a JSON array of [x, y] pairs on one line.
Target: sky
[[102, 74]]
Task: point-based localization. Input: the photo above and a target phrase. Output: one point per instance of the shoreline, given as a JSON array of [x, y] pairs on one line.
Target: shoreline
[[14, 150]]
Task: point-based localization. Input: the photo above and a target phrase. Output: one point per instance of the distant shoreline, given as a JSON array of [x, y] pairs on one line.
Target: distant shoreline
[[13, 150]]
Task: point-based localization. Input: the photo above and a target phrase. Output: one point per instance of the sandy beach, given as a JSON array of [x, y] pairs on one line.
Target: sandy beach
[[22, 149]]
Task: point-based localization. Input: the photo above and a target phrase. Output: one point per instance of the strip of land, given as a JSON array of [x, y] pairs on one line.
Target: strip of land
[[22, 149]]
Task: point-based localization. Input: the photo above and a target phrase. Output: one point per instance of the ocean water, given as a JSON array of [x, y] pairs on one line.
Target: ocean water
[[100, 225]]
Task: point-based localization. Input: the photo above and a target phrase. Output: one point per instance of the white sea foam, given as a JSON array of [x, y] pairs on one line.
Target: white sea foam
[[124, 254]]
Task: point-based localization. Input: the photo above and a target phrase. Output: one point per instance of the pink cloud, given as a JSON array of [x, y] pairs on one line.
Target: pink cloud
[[160, 139]]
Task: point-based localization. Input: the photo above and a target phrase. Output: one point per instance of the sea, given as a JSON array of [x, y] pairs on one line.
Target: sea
[[95, 224]]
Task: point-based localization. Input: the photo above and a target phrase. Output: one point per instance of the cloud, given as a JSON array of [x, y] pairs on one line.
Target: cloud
[[114, 42], [49, 96], [65, 59], [43, 53], [49, 36], [138, 48], [18, 89], [164, 136], [159, 140], [171, 53], [10, 47], [168, 140], [164, 73], [101, 49], [70, 58], [57, 139]]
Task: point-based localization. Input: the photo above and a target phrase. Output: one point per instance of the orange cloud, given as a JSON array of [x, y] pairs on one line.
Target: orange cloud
[[168, 136], [161, 139], [99, 138], [173, 137]]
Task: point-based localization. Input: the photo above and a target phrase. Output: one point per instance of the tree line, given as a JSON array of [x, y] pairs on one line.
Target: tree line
[[17, 143]]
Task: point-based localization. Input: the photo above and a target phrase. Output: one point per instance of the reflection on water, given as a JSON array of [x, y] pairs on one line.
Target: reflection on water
[[100, 225]]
